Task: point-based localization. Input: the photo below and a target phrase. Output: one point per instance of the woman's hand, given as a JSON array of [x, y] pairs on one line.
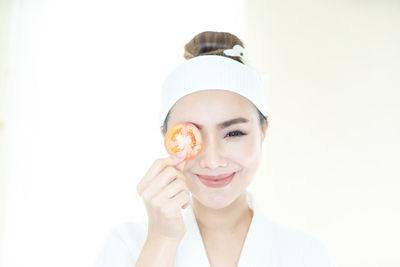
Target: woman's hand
[[164, 192]]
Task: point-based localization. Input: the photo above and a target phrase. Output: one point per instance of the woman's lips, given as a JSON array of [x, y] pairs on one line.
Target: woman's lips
[[218, 177], [216, 181]]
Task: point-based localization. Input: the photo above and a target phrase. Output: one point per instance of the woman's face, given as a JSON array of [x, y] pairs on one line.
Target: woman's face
[[230, 148]]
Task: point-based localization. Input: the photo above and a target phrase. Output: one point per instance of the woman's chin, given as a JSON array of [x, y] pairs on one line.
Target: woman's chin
[[214, 200]]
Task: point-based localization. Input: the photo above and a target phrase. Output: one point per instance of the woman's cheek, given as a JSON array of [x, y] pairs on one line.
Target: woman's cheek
[[243, 151]]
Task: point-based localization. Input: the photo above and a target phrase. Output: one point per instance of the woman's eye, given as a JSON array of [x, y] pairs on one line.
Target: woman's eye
[[235, 133]]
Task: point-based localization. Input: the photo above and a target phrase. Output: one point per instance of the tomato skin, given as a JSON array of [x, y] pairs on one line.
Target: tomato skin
[[184, 136]]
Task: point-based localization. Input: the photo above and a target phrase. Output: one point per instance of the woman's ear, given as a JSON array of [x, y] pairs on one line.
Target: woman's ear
[[264, 128], [162, 131]]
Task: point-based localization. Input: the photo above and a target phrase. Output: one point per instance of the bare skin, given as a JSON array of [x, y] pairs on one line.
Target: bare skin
[[224, 236]]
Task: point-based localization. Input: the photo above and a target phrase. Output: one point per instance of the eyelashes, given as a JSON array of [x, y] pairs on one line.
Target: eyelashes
[[235, 134]]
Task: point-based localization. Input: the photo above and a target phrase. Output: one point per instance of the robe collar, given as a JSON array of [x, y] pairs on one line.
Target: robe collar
[[257, 249]]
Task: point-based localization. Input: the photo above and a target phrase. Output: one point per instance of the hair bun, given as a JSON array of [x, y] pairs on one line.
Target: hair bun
[[212, 43]]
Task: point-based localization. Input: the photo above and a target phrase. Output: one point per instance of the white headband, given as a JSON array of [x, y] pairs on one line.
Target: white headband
[[212, 72]]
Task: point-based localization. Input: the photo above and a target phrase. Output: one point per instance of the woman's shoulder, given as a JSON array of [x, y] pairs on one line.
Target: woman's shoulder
[[122, 245], [299, 244], [132, 233], [286, 233]]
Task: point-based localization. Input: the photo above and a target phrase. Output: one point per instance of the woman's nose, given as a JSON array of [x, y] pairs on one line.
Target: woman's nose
[[210, 156]]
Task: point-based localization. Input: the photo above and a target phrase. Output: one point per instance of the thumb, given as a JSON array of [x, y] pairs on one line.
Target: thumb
[[180, 156], [181, 165]]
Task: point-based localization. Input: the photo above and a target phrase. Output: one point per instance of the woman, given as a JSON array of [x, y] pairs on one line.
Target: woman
[[199, 211]]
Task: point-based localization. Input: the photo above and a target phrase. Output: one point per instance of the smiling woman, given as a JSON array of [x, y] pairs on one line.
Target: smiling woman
[[221, 224], [232, 138]]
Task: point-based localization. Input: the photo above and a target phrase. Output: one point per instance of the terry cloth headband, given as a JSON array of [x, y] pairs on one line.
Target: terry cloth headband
[[207, 72]]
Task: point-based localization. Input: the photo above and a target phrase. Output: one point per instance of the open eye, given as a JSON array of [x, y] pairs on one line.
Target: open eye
[[235, 133]]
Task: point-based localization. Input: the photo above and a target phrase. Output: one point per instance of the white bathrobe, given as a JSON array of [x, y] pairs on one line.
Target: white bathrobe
[[268, 244]]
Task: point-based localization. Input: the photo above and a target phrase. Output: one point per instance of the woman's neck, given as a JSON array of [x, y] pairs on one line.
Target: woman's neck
[[226, 220]]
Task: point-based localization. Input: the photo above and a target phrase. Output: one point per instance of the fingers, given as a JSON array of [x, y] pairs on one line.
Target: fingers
[[168, 176], [181, 199], [174, 188], [157, 166]]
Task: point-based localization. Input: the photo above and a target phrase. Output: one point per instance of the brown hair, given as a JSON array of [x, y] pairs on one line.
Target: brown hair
[[212, 43]]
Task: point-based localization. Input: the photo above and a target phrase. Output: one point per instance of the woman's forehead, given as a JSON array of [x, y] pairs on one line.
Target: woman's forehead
[[211, 107]]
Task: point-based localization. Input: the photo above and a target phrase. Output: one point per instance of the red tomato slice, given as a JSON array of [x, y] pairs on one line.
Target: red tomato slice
[[186, 137]]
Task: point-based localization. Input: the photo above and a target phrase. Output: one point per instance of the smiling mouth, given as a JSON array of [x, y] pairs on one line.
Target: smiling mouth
[[215, 178], [216, 181]]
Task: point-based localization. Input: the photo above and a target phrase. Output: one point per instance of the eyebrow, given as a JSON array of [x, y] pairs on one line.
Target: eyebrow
[[224, 124]]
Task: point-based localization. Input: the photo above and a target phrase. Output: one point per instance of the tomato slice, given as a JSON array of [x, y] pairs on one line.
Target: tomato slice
[[186, 137]]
